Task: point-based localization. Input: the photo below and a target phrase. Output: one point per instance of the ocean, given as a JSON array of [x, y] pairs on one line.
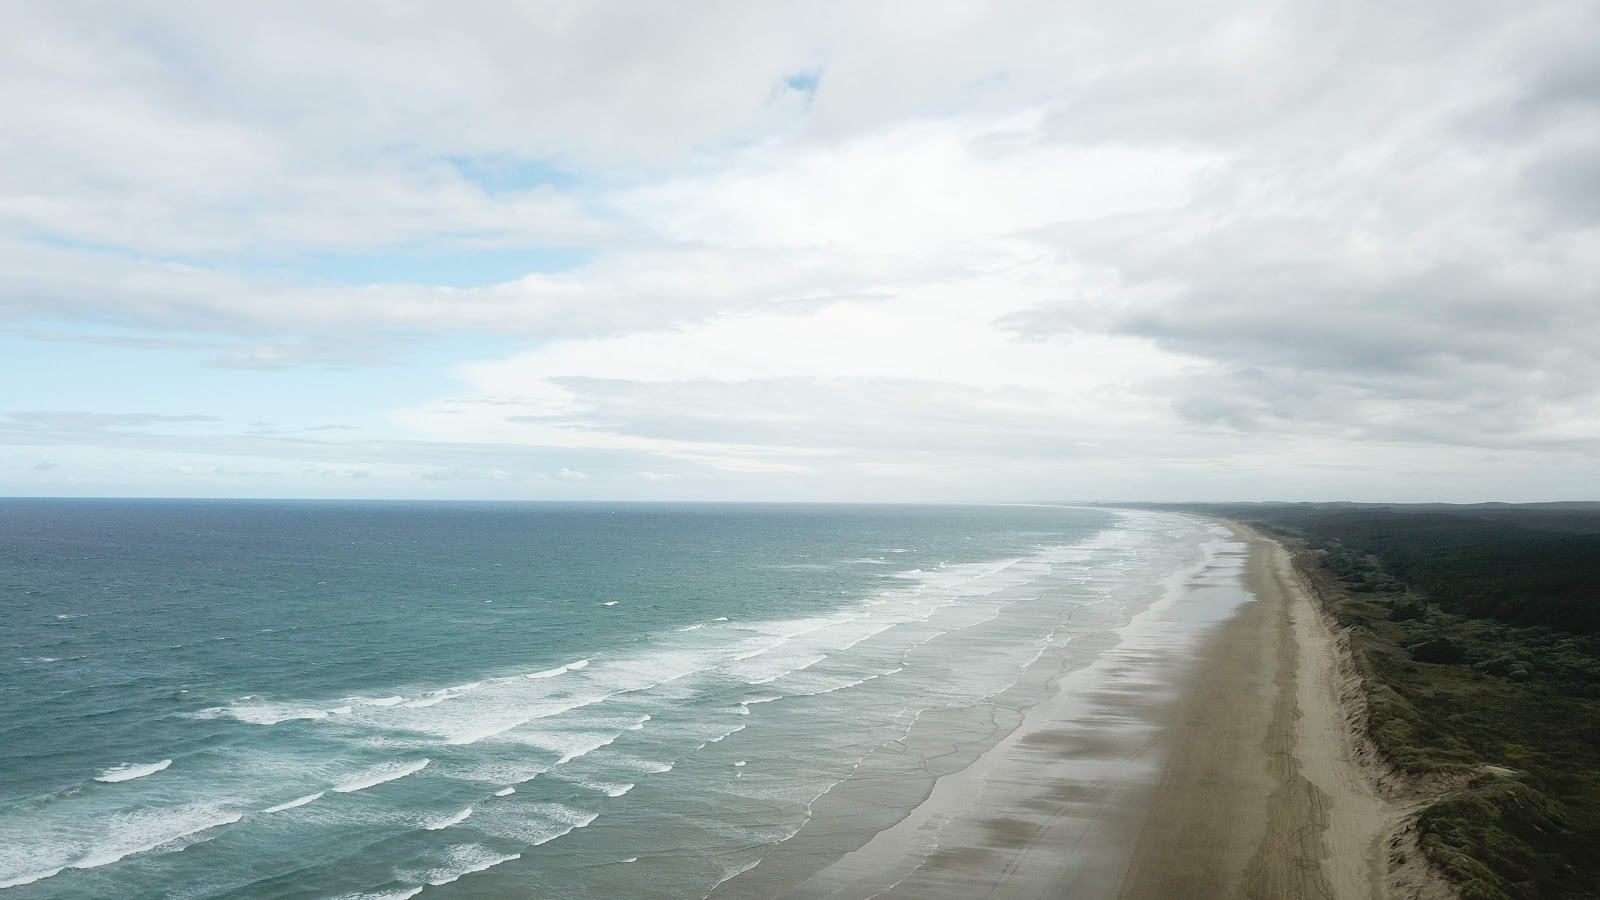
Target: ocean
[[261, 699]]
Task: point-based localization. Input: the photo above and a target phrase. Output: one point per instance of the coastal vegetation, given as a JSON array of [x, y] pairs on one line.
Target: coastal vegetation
[[1476, 631]]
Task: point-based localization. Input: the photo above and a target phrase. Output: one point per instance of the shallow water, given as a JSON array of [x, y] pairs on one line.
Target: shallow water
[[254, 699]]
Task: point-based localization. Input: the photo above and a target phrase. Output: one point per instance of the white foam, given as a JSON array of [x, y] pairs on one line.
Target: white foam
[[508, 705], [499, 720], [731, 872], [559, 670], [573, 744], [7, 881], [499, 772], [836, 685], [608, 788], [130, 771], [609, 603], [870, 630], [464, 859], [779, 668], [446, 822], [405, 894], [536, 824], [722, 737], [430, 701], [270, 713], [380, 774], [299, 801], [145, 830], [802, 643], [505, 792], [645, 766], [476, 867], [385, 701]]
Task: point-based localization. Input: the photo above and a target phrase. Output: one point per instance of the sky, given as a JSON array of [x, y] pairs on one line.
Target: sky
[[842, 251]]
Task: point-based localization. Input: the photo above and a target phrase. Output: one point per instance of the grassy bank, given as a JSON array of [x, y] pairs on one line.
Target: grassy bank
[[1476, 636]]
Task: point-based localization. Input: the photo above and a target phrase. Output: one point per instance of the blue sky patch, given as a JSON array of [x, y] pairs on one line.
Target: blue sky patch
[[438, 266], [507, 176]]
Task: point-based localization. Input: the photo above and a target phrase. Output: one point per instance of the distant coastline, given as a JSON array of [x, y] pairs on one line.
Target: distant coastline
[[1241, 769]]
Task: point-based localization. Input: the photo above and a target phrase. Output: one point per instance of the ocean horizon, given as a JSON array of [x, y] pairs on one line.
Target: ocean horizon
[[363, 699]]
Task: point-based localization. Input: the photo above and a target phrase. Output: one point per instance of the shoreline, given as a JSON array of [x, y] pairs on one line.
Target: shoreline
[[1209, 753], [1054, 805]]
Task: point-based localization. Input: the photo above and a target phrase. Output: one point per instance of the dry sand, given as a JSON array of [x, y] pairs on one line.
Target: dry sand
[[1175, 766]]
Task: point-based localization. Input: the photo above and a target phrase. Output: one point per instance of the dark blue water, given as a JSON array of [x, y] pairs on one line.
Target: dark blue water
[[177, 678]]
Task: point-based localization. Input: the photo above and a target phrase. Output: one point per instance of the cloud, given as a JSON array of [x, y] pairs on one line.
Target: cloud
[[74, 421], [821, 249], [299, 352], [1385, 257], [366, 324], [913, 187], [163, 438]]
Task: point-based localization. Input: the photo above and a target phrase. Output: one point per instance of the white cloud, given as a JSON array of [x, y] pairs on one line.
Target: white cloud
[[915, 186], [831, 248]]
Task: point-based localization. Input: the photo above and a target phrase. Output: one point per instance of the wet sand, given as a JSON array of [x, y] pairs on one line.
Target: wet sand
[[1205, 754]]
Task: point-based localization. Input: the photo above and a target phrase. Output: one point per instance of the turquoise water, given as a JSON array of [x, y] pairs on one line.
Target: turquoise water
[[263, 699]]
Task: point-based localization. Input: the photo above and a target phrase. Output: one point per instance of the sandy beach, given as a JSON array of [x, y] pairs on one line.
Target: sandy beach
[[1205, 754], [1262, 795]]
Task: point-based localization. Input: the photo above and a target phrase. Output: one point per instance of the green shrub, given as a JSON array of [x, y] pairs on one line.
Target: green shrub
[[1408, 608]]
